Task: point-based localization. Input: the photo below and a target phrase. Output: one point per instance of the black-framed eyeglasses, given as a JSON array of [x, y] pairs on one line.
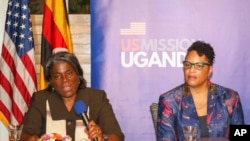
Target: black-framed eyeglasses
[[197, 65]]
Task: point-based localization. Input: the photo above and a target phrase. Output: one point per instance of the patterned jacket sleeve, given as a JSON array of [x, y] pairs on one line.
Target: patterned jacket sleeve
[[166, 119], [237, 116]]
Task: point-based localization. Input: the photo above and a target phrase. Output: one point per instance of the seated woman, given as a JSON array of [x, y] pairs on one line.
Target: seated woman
[[198, 102], [51, 109]]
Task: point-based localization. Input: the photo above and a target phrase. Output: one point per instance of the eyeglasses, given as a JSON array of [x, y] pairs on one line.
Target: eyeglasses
[[198, 65]]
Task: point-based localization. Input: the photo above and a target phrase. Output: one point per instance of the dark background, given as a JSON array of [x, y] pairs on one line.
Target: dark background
[[75, 6]]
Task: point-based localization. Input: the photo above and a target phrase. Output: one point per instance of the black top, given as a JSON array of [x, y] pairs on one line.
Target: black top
[[203, 125]]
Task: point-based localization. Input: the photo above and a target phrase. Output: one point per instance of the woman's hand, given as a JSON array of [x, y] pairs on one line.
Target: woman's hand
[[94, 131]]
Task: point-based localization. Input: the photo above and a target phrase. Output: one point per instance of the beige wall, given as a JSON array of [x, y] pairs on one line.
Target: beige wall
[[80, 30]]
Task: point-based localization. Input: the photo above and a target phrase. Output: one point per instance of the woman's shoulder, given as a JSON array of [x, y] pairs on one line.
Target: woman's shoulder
[[91, 94], [94, 98], [89, 90], [224, 92], [41, 93], [174, 92], [39, 98]]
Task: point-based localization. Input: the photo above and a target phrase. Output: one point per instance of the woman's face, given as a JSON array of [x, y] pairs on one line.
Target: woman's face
[[64, 79], [196, 77]]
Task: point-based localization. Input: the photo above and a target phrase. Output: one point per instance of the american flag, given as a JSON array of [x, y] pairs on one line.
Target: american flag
[[17, 64]]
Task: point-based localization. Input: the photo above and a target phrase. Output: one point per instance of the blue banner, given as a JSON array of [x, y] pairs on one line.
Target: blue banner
[[137, 47]]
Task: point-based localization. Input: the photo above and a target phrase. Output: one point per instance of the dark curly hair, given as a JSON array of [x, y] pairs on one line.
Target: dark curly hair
[[64, 57], [203, 48]]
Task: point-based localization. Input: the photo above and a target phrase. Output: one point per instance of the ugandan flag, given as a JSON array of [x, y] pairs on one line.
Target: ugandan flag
[[56, 34]]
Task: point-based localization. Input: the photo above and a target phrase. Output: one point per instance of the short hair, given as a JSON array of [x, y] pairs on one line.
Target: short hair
[[203, 48], [69, 58]]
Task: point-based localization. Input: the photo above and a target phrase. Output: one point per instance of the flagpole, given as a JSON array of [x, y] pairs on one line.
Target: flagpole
[[67, 5]]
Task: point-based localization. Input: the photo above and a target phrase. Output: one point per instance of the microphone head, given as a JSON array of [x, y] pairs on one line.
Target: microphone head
[[80, 107]]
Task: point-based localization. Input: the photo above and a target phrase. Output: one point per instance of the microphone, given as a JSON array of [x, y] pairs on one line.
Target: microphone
[[80, 108]]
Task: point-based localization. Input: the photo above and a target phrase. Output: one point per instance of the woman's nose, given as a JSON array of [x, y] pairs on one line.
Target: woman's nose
[[64, 77]]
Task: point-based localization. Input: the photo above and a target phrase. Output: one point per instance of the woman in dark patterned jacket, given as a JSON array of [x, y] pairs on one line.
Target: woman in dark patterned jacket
[[199, 102]]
